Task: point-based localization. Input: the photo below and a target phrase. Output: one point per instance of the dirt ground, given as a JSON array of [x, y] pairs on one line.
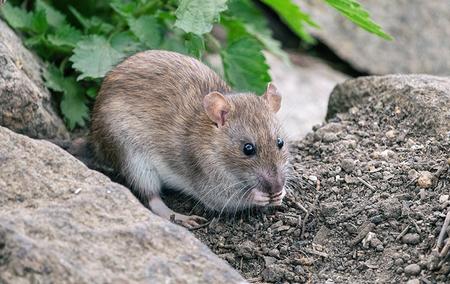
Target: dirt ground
[[367, 202]]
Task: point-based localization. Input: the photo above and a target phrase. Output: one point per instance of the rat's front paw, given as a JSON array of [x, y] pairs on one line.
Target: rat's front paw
[[190, 222]]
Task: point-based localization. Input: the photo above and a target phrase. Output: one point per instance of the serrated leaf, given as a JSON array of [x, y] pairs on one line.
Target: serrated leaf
[[238, 29], [74, 104], [291, 14], [123, 9], [126, 42], [245, 66], [93, 25], [16, 17], [39, 22], [147, 30], [65, 36], [54, 79], [195, 45], [198, 16], [54, 17], [94, 57], [353, 11]]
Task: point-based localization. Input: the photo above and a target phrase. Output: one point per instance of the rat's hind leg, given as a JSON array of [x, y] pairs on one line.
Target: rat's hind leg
[[144, 178]]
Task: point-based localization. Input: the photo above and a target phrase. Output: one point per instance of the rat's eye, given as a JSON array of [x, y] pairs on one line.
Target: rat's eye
[[280, 143], [249, 149]]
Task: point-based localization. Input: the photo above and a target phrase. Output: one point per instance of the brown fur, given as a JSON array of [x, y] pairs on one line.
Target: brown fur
[[151, 104]]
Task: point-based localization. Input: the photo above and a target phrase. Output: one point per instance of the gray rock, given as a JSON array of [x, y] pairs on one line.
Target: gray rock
[[421, 30], [427, 97], [413, 281], [306, 86], [348, 165], [411, 239], [25, 104], [412, 269], [63, 223]]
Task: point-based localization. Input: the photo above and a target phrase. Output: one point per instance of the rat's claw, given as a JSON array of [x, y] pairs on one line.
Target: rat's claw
[[189, 222]]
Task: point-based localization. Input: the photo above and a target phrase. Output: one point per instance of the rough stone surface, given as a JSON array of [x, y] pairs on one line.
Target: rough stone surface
[[427, 97], [421, 30], [25, 104], [63, 223]]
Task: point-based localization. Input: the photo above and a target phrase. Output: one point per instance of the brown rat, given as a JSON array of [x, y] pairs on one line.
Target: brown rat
[[165, 119]]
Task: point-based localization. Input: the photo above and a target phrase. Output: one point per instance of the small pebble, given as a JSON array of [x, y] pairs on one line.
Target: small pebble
[[411, 239], [443, 198], [330, 137], [391, 134], [348, 165], [425, 179], [413, 281], [412, 269]]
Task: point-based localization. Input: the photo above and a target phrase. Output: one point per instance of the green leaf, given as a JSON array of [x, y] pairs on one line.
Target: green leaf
[[39, 22], [54, 79], [54, 17], [92, 25], [237, 29], [245, 66], [198, 16], [65, 36], [353, 11], [74, 104], [126, 42], [195, 45], [16, 17], [124, 9], [295, 18], [147, 30], [94, 57]]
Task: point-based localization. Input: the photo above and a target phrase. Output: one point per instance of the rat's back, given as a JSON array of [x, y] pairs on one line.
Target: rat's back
[[151, 94]]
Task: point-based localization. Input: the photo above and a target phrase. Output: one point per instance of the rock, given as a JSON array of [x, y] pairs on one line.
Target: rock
[[305, 86], [411, 239], [443, 198], [348, 165], [412, 269], [413, 281], [63, 223], [425, 179], [391, 208], [423, 101], [419, 46], [25, 104]]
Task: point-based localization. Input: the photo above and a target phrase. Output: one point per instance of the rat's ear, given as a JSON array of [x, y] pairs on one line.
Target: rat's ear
[[217, 108], [273, 97]]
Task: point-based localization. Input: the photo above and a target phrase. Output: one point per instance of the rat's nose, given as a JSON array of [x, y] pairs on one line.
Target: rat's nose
[[272, 184]]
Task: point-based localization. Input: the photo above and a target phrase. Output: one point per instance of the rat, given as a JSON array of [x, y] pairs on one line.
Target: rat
[[166, 119]]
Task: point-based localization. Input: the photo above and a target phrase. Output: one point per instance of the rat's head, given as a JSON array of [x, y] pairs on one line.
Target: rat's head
[[250, 151]]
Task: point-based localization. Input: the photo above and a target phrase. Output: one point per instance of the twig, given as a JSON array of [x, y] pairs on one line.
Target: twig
[[319, 253], [362, 234], [403, 233], [445, 249], [304, 224], [366, 184], [443, 231], [299, 206], [415, 224]]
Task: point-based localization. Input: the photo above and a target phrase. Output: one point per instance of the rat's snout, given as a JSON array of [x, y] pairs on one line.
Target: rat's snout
[[272, 183]]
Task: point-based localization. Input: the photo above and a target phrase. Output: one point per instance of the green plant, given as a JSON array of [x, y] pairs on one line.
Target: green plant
[[80, 41]]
